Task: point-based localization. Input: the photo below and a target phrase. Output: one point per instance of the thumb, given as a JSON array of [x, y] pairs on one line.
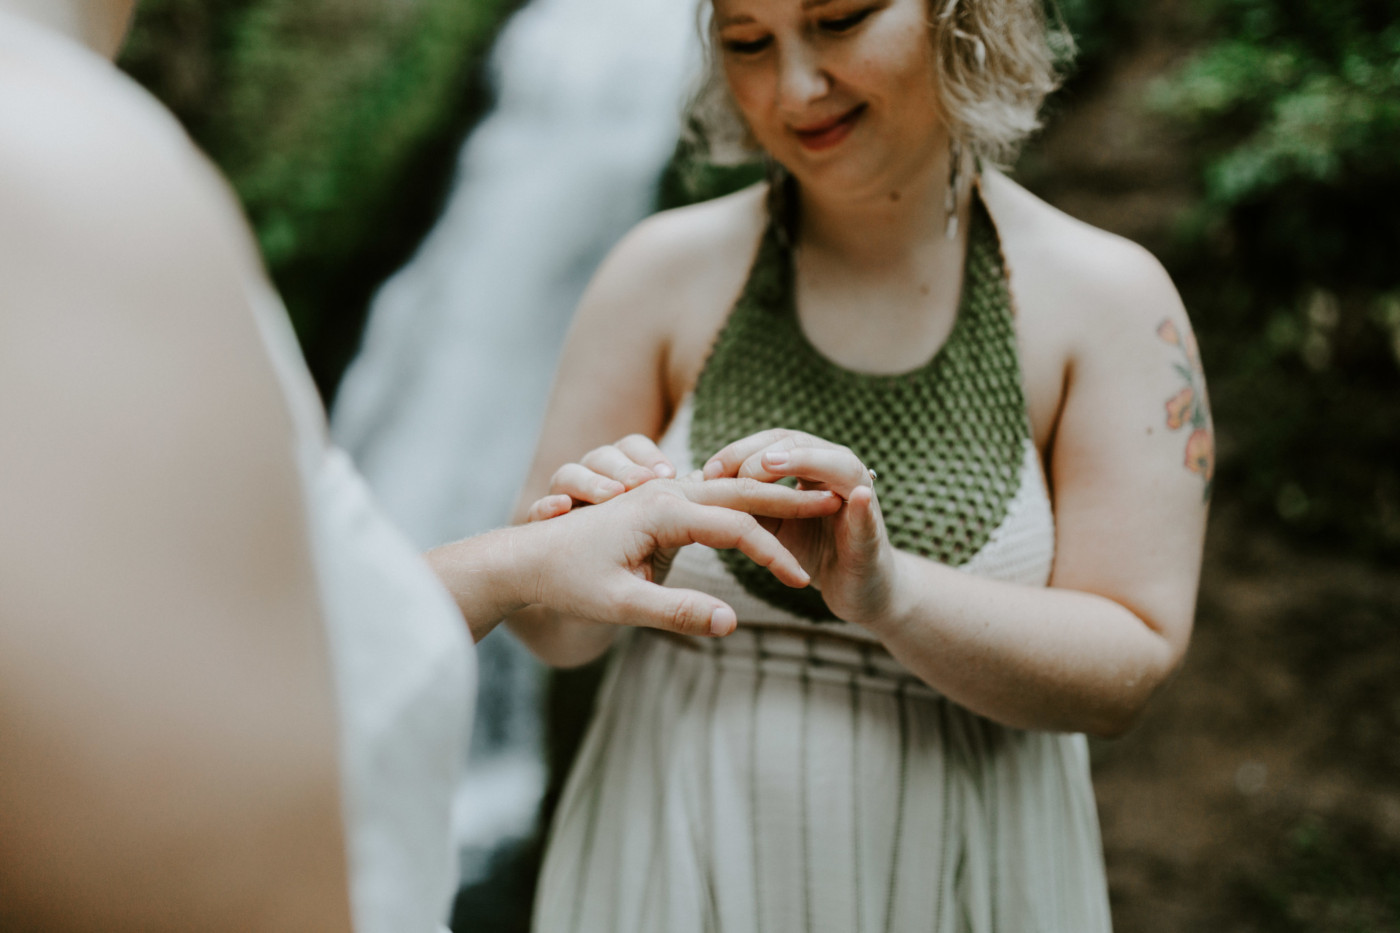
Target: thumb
[[865, 526], [685, 612]]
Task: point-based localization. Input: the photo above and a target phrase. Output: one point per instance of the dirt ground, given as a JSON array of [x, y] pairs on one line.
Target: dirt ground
[[1262, 790]]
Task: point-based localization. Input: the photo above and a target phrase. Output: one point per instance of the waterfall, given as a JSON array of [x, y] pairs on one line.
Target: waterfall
[[442, 405]]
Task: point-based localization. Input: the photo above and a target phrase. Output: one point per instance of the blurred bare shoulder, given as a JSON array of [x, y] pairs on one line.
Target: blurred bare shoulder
[[679, 272], [126, 317], [89, 157], [154, 554]]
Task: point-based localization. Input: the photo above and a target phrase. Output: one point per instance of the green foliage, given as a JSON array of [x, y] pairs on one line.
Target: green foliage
[[1289, 260], [334, 98], [1334, 877], [337, 122], [1098, 27]]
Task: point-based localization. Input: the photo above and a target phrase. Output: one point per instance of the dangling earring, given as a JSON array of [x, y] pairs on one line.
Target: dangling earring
[[782, 207], [950, 199]]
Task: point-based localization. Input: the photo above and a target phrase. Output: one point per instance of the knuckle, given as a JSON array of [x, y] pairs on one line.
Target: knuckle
[[743, 525], [678, 617], [750, 486], [688, 617]]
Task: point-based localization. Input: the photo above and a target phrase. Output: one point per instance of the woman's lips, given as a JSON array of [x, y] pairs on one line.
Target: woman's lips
[[818, 136]]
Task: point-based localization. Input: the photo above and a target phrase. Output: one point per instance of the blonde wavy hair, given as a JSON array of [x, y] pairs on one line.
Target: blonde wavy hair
[[995, 61]]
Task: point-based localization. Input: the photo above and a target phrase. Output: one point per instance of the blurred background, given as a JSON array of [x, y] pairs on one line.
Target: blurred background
[[432, 181]]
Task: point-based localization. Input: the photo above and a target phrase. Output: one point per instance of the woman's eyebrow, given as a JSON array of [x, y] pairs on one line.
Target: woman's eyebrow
[[739, 19]]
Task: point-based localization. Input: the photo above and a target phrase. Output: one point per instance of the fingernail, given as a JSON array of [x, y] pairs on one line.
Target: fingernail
[[612, 487], [663, 470], [722, 621], [775, 458]]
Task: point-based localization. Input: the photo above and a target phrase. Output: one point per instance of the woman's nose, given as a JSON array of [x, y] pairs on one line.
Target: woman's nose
[[801, 78]]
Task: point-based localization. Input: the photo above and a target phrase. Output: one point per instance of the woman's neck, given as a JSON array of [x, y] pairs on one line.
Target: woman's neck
[[890, 224], [101, 25]]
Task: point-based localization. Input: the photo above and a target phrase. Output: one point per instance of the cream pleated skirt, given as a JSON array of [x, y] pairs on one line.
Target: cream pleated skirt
[[793, 782]]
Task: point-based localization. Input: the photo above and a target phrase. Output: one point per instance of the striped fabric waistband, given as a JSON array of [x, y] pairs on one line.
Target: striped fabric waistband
[[803, 653]]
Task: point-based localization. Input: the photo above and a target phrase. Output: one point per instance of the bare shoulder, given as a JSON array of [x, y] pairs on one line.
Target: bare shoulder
[[126, 314], [1074, 274], [692, 251], [676, 274], [94, 170], [725, 226]]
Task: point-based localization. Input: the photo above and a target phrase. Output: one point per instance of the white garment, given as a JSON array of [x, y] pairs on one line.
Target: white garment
[[794, 778], [405, 674]]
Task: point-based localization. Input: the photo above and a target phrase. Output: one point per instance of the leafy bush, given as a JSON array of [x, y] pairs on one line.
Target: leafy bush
[[1290, 259], [337, 122]]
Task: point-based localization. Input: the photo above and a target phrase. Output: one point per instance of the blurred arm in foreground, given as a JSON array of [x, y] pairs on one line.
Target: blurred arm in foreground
[[167, 721], [204, 624]]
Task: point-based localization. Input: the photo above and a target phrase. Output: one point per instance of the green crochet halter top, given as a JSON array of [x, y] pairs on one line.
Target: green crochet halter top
[[947, 439]]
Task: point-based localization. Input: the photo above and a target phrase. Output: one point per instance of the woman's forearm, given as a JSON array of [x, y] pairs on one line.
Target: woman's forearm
[[1028, 657]]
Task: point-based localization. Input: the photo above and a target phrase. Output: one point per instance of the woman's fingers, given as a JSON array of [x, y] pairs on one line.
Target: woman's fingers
[[865, 526], [832, 467], [728, 460], [549, 507], [631, 461], [608, 471], [584, 485], [685, 522], [762, 498], [643, 451]]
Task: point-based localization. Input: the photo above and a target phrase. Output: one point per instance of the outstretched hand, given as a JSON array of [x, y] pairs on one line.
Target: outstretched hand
[[847, 553], [599, 563]]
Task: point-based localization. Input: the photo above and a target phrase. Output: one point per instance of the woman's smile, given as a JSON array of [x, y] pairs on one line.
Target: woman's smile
[[824, 134], [841, 92]]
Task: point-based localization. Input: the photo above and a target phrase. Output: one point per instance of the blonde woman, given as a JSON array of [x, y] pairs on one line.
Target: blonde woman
[[1010, 406]]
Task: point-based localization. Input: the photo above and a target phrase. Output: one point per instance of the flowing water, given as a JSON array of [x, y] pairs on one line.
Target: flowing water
[[442, 405]]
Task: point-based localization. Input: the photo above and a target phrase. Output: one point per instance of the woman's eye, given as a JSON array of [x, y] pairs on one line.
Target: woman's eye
[[845, 23], [747, 47]]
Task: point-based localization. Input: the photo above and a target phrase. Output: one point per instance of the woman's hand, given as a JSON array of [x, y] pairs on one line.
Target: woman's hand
[[599, 563], [848, 553], [602, 474]]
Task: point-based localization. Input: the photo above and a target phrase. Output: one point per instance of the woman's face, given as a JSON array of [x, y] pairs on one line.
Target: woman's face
[[841, 92]]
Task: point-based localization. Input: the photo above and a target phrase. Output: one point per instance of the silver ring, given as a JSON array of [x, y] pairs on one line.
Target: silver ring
[[873, 476]]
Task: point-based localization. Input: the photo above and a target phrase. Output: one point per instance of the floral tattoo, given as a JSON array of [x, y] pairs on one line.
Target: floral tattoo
[[1187, 408]]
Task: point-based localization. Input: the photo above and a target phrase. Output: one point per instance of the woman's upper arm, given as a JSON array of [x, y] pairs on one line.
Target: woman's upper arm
[[1132, 456], [610, 383], [614, 374]]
